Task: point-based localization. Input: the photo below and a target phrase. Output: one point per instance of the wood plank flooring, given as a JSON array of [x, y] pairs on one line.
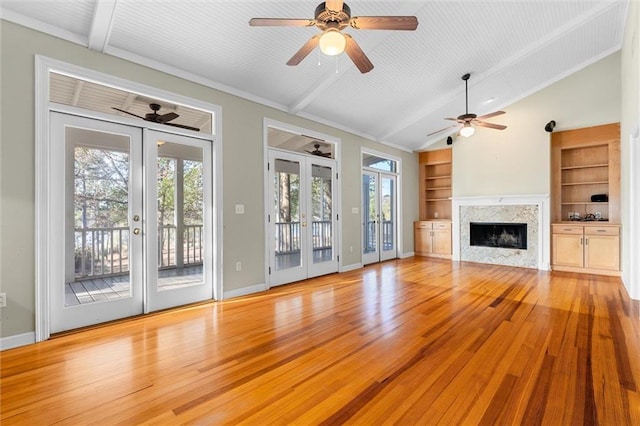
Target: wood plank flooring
[[408, 342]]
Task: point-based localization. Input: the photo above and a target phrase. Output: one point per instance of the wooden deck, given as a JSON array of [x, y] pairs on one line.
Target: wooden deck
[[108, 288], [410, 342]]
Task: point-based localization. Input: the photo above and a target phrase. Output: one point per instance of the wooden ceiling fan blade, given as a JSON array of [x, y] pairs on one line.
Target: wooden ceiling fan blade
[[168, 117], [454, 119], [281, 22], [489, 125], [334, 5], [405, 23], [304, 50], [442, 130], [357, 55], [127, 112], [492, 114]]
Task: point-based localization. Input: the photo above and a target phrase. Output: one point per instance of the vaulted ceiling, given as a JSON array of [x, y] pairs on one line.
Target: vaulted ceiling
[[511, 48]]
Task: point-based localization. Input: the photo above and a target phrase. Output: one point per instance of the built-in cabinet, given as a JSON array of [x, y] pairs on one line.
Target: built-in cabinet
[[586, 200], [432, 234], [433, 238], [590, 248]]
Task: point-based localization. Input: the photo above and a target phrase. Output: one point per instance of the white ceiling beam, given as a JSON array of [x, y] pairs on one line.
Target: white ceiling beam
[[101, 24], [77, 92], [129, 100]]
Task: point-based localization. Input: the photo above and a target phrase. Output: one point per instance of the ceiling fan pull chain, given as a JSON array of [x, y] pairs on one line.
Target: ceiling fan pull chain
[[337, 69]]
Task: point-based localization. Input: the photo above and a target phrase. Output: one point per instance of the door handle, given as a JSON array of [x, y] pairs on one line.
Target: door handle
[[136, 231]]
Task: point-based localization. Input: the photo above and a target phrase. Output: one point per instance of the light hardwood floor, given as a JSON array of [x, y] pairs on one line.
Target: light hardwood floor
[[413, 341]]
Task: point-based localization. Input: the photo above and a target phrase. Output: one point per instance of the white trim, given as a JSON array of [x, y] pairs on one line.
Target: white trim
[[631, 278], [244, 291], [352, 267], [17, 340], [407, 254], [544, 220], [43, 66]]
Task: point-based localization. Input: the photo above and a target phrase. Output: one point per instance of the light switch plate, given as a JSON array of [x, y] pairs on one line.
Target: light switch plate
[[239, 208]]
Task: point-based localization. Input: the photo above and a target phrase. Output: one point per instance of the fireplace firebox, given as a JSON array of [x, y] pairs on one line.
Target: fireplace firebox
[[503, 235]]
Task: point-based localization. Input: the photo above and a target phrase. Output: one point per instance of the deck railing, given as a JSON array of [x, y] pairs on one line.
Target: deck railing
[[287, 236], [370, 239], [105, 251]]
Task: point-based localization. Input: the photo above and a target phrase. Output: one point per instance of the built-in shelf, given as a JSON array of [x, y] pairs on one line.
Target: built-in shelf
[[435, 184], [584, 203], [586, 162], [586, 166], [585, 183]]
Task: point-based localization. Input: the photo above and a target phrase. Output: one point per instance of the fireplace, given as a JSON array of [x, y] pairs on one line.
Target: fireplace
[[500, 235]]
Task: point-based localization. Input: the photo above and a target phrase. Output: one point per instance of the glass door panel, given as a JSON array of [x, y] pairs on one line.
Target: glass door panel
[[322, 257], [97, 276], [180, 190], [388, 217], [370, 217], [322, 214]]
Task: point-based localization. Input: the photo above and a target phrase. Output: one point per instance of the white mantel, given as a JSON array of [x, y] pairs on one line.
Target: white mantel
[[543, 220]]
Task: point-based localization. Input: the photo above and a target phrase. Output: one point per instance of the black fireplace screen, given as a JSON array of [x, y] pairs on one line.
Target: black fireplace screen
[[505, 235]]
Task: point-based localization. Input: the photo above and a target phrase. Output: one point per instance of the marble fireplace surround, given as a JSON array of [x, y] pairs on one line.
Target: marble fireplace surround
[[531, 209]]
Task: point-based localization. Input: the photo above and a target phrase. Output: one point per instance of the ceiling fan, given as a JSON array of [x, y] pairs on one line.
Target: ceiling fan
[[469, 121], [332, 17], [319, 153], [154, 117]]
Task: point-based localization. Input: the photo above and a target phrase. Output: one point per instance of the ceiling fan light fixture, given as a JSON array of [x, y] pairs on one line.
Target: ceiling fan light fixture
[[467, 130], [332, 42]]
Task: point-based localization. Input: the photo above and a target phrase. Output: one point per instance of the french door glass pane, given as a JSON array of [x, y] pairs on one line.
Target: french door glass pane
[[180, 200], [387, 211], [97, 246], [321, 204], [369, 213], [286, 190]]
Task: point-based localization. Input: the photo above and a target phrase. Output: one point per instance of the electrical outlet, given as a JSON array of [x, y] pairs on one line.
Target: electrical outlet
[[3, 300], [238, 266]]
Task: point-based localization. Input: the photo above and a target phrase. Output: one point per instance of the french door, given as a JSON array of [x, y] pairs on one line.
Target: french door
[[301, 217], [130, 221], [379, 213]]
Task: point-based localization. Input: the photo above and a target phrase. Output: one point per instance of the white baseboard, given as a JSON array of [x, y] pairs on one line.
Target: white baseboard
[[408, 254], [244, 291], [17, 340], [353, 267]]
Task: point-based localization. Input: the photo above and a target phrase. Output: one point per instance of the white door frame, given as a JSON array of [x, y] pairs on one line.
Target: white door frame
[[43, 67], [634, 215], [398, 202], [337, 196]]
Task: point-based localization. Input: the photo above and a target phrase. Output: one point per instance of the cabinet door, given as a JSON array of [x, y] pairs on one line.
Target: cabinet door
[[422, 238], [602, 252], [567, 250], [442, 241]]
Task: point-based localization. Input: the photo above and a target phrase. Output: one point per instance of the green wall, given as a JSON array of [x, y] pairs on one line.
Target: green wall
[[242, 138]]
